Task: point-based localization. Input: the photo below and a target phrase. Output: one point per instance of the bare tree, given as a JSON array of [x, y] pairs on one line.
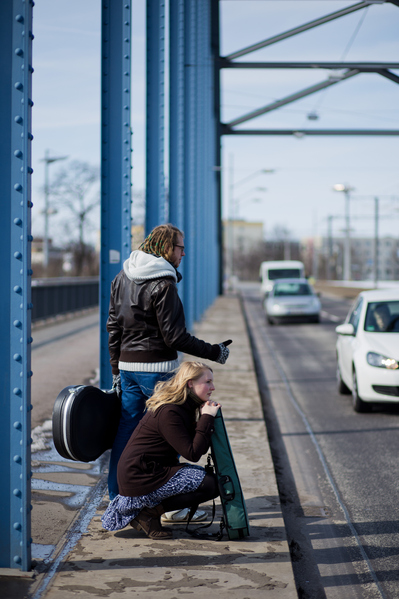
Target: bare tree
[[75, 193]]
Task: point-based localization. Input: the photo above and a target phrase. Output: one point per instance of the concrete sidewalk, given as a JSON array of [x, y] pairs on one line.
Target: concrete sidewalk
[[126, 563]]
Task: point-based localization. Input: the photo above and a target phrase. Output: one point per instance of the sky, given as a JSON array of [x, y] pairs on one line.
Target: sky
[[298, 194]]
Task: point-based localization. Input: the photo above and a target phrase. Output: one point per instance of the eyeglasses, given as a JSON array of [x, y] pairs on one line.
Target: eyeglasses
[[179, 246]]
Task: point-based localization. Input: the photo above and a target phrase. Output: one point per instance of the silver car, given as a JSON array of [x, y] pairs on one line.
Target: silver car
[[292, 299]]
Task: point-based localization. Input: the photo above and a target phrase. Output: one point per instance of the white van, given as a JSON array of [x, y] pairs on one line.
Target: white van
[[279, 269]]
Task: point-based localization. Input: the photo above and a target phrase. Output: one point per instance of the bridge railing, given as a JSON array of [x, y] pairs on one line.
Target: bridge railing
[[51, 297]]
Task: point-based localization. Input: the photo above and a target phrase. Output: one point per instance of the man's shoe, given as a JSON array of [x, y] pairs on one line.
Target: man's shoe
[[181, 516]]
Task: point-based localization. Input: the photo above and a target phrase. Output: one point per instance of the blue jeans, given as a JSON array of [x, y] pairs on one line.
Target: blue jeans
[[137, 387]]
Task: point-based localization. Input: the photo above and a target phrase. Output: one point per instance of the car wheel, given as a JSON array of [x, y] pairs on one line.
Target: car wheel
[[341, 387], [358, 404]]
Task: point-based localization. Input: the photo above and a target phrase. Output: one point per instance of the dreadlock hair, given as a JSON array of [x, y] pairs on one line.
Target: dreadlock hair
[[161, 241], [176, 390]]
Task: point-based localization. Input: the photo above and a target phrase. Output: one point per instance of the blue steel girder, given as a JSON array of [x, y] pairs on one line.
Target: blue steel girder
[[353, 69], [15, 240], [190, 159], [115, 158], [176, 120], [156, 209]]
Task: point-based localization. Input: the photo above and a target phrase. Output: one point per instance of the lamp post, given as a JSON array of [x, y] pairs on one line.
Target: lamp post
[[233, 208], [47, 160], [346, 189]]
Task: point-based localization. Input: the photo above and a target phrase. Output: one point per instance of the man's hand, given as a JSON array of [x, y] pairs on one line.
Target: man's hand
[[116, 384]]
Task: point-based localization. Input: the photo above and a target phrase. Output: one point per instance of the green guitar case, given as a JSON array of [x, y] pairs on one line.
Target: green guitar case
[[231, 496]]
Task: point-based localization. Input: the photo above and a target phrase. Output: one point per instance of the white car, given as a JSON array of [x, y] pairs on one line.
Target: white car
[[368, 349], [292, 299]]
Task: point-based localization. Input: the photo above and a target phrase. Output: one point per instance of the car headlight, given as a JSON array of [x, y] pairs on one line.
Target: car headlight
[[381, 361], [277, 307]]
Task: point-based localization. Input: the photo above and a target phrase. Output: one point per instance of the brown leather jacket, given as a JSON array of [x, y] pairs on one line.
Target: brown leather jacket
[[146, 323], [150, 457]]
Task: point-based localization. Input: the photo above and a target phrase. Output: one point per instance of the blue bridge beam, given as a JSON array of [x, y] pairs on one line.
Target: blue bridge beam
[[15, 240], [115, 158]]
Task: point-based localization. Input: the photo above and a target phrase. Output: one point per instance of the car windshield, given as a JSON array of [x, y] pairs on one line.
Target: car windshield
[[289, 289], [382, 317], [284, 273]]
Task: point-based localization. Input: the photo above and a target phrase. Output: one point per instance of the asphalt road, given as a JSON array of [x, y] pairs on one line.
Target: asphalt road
[[337, 471]]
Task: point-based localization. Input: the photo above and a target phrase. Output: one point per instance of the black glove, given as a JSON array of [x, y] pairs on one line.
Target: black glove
[[116, 384], [224, 351]]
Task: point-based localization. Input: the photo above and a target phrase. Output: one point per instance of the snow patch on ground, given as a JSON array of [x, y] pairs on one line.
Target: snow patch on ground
[[41, 436]]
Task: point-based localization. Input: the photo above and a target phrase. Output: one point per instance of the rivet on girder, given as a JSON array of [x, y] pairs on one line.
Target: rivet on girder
[[29, 374], [30, 170], [30, 136], [18, 119], [17, 526], [18, 222], [30, 339], [17, 391], [29, 306], [17, 559], [18, 154], [17, 459], [126, 90], [126, 56], [19, 51], [126, 39], [126, 107], [30, 103], [17, 357], [30, 237], [126, 22], [19, 18], [17, 493], [18, 425], [18, 289], [18, 187], [18, 85], [18, 255]]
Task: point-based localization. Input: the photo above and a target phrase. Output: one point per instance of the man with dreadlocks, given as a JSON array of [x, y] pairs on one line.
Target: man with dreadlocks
[[147, 328]]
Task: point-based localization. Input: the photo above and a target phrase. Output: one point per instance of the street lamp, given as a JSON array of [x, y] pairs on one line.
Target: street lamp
[[47, 160], [346, 189]]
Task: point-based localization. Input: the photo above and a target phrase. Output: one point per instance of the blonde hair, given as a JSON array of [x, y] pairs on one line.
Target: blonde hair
[[161, 241], [175, 390]]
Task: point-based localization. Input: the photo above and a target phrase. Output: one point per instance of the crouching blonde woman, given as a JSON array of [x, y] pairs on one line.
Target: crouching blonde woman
[[179, 421]]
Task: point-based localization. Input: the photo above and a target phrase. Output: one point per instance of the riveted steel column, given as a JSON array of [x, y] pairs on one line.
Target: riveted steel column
[[15, 240], [176, 121], [201, 249], [190, 157], [115, 158], [156, 210], [215, 108]]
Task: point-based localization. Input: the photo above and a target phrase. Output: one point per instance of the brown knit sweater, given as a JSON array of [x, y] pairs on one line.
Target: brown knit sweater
[[151, 456]]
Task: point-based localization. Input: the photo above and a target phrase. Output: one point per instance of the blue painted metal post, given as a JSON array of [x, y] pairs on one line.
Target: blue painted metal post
[[190, 156], [115, 158], [15, 241], [176, 121], [215, 110], [156, 209]]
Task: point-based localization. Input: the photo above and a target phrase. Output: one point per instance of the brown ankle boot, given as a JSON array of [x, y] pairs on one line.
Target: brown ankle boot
[[148, 520]]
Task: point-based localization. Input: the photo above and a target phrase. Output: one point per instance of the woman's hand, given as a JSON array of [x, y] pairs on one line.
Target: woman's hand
[[210, 407]]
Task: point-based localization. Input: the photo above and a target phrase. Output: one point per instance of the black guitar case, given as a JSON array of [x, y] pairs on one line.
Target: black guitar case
[[85, 422], [231, 495]]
